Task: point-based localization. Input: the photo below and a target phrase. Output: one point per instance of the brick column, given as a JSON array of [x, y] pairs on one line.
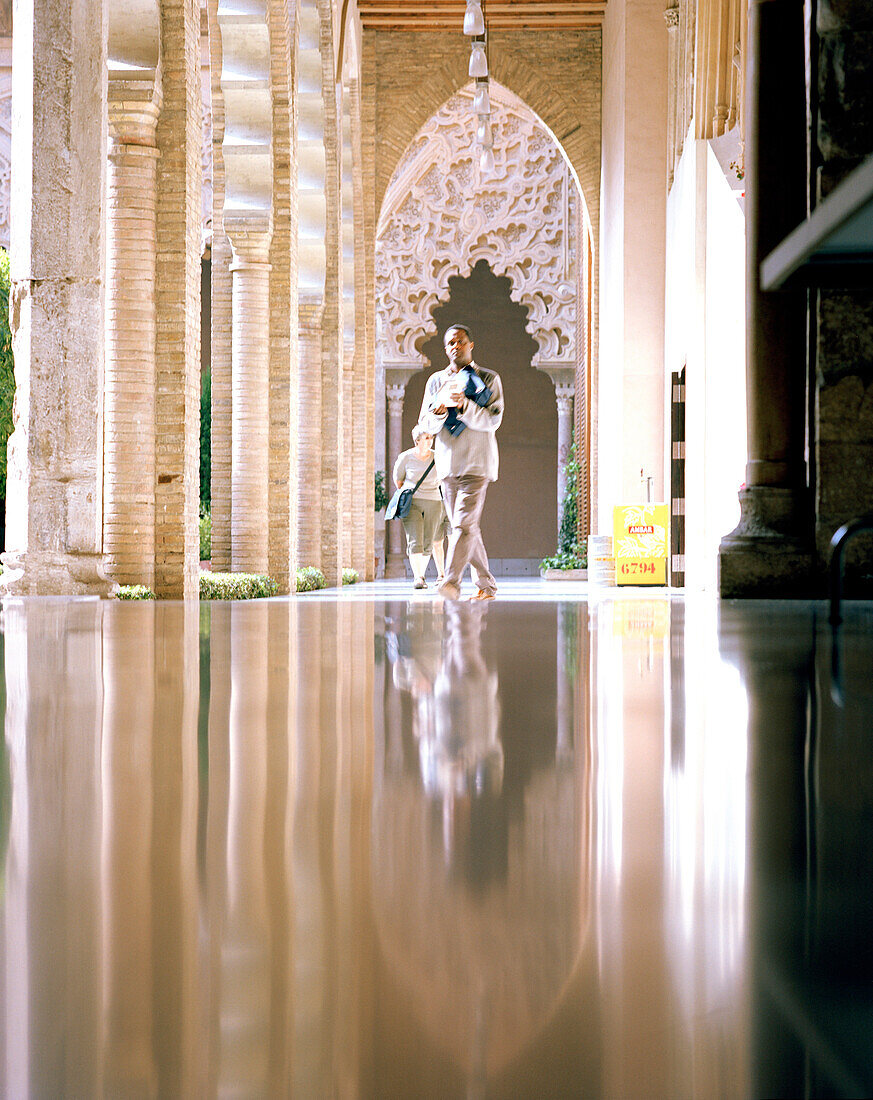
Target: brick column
[[179, 225], [129, 447], [222, 313], [250, 419], [283, 305], [395, 565], [309, 487], [54, 492]]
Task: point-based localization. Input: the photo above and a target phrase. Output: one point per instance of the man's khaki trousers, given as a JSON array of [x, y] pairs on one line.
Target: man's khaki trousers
[[464, 498]]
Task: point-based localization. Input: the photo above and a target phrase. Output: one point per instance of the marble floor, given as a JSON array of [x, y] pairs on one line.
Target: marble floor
[[364, 843]]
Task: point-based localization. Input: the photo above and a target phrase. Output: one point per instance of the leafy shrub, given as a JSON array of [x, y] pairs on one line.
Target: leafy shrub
[[310, 579], [571, 554], [574, 558], [7, 373], [236, 586], [382, 497], [135, 592], [205, 532], [350, 576]]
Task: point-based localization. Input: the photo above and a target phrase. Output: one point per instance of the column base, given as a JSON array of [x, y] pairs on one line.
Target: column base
[[395, 566], [54, 575], [767, 556]]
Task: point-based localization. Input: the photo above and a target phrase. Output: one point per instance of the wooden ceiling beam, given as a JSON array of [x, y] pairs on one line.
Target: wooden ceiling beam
[[508, 23]]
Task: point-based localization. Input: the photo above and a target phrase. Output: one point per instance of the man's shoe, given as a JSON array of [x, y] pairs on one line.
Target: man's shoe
[[420, 583], [482, 594], [449, 591]]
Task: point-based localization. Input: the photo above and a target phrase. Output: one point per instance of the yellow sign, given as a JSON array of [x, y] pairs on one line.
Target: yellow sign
[[639, 538]]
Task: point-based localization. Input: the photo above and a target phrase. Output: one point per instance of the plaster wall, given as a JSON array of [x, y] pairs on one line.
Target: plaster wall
[[705, 332], [633, 235]]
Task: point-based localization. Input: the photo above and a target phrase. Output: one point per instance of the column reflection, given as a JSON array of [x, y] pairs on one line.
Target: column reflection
[[670, 731], [137, 960]]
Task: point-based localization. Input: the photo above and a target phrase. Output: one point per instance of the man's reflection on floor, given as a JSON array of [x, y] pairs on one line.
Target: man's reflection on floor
[[476, 837], [456, 725]]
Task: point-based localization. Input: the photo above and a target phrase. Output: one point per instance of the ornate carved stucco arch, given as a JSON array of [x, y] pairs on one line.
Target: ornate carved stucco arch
[[441, 216]]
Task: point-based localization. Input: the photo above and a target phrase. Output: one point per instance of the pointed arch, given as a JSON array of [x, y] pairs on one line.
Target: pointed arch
[[440, 217]]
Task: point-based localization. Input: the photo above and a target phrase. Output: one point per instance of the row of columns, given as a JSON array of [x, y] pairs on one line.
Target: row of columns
[[103, 472], [102, 481]]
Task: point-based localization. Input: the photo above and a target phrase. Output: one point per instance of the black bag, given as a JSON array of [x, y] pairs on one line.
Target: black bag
[[399, 505]]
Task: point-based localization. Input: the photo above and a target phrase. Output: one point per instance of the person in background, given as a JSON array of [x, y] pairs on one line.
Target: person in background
[[463, 408], [426, 524]]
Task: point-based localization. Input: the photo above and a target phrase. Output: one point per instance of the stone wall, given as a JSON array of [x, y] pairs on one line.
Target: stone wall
[[844, 336]]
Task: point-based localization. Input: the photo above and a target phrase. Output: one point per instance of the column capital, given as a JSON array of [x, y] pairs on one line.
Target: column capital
[[134, 109], [399, 373], [395, 394], [671, 17], [563, 376], [564, 402], [250, 241]]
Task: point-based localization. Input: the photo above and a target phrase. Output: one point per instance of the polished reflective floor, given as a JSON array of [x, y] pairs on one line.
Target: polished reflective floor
[[367, 845]]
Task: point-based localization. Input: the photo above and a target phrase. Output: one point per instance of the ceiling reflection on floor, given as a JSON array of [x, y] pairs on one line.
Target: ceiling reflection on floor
[[373, 847]]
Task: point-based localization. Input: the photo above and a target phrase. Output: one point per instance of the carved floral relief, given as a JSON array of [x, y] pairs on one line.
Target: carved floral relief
[[440, 217]]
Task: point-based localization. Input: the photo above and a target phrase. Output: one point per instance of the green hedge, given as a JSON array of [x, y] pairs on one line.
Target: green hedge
[[309, 579], [350, 576], [135, 592], [236, 586]]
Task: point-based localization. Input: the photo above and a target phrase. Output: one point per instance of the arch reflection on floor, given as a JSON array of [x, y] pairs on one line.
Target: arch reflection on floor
[[361, 844]]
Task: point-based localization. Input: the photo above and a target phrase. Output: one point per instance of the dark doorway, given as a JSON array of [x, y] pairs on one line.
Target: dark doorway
[[521, 514]]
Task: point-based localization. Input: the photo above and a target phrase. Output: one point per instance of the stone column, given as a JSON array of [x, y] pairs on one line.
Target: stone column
[[54, 493], [250, 404], [309, 435], [564, 397], [844, 330], [563, 378], [129, 447], [396, 563], [769, 553]]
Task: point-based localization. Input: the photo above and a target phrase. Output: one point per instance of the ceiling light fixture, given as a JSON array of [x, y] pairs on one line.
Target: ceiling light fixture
[[478, 59], [474, 20]]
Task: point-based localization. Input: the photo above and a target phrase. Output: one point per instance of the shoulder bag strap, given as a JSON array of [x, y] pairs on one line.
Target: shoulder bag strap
[[423, 476]]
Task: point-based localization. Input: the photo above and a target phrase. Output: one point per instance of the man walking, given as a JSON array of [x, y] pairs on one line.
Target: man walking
[[462, 409]]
